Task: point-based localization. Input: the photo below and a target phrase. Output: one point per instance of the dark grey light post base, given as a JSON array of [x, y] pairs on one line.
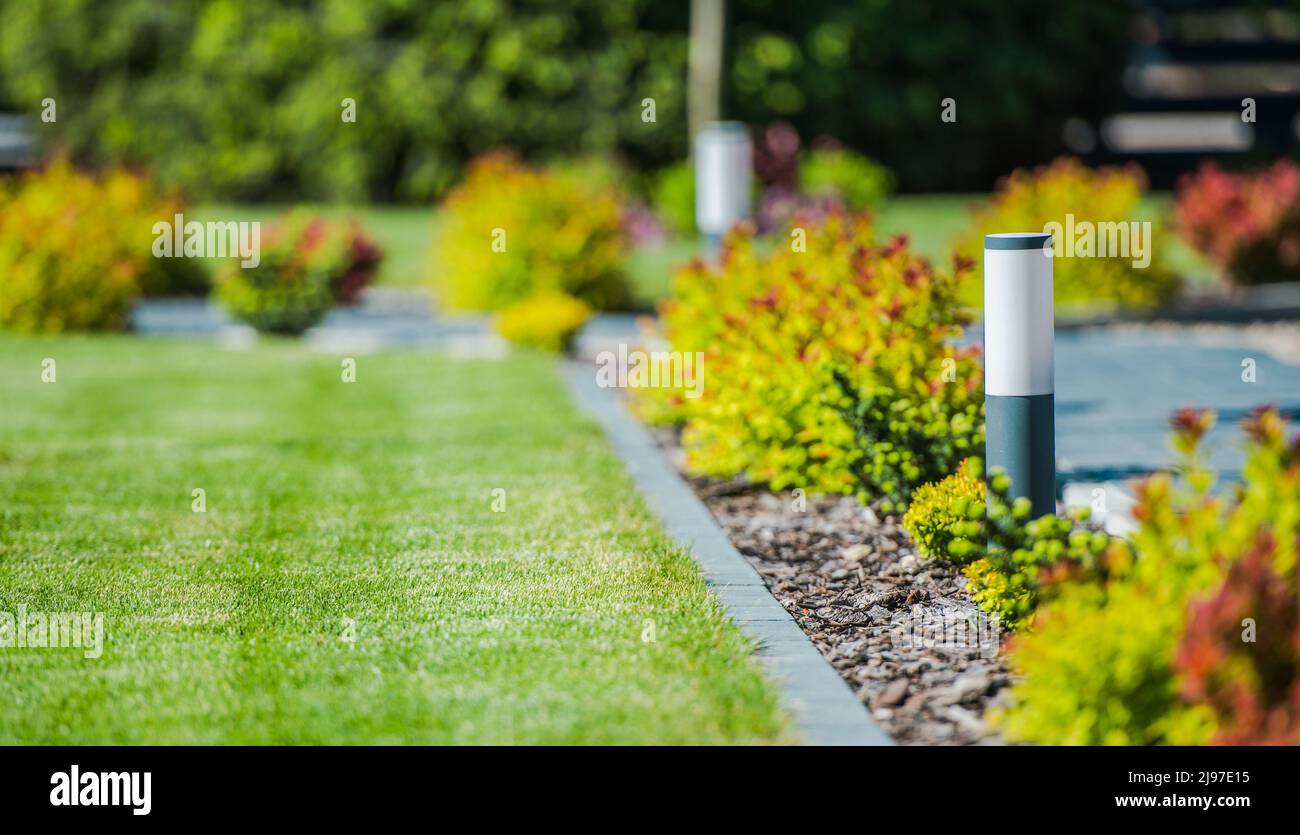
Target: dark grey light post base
[[712, 247], [1025, 446]]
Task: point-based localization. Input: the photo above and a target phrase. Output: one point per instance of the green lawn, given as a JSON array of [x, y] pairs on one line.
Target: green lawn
[[930, 221], [328, 501]]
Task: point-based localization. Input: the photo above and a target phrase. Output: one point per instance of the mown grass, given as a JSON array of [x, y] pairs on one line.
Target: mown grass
[[329, 503]]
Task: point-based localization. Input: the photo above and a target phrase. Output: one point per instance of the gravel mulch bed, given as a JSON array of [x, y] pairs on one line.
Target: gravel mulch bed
[[900, 630]]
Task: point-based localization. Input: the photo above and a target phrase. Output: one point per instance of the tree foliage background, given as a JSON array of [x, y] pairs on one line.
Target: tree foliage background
[[242, 100]]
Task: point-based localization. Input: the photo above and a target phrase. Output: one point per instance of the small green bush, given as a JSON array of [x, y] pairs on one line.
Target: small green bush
[[72, 250], [307, 264], [510, 231], [673, 198], [1005, 554], [858, 181], [944, 512], [548, 320]]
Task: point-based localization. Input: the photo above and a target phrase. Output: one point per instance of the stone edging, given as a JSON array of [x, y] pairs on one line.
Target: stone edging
[[825, 710]]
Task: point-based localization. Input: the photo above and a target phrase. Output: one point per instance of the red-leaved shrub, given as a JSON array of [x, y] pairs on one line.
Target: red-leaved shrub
[[1240, 653], [1247, 224], [363, 257]]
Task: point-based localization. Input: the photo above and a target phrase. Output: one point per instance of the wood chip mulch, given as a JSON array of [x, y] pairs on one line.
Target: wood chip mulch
[[900, 630]]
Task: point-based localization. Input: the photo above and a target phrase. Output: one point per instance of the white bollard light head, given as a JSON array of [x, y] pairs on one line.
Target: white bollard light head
[[722, 176], [1019, 339]]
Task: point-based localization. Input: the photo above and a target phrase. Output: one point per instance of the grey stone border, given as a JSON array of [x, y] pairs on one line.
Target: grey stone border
[[825, 710]]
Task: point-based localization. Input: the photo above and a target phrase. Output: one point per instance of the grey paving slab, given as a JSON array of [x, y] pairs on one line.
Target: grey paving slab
[[383, 318], [1115, 393], [824, 709]]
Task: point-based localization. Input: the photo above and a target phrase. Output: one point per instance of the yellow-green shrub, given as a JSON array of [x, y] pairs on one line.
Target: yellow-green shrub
[[556, 230], [830, 369], [1028, 200], [548, 320], [68, 257], [1098, 667], [1005, 555], [946, 511]]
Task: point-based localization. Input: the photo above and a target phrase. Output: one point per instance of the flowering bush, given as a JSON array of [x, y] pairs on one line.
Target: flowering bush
[[1125, 652], [831, 369], [360, 261], [70, 258], [1027, 201], [509, 231], [548, 320], [1248, 225], [1240, 653], [307, 264]]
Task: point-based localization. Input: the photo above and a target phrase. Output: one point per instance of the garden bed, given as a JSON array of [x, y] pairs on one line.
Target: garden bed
[[896, 628]]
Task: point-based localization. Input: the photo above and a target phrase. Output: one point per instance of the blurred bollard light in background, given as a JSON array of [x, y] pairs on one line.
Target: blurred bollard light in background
[[17, 145], [722, 179], [1019, 353]]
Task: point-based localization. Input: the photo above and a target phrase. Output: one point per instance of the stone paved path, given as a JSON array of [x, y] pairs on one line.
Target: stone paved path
[[1116, 391], [384, 318]]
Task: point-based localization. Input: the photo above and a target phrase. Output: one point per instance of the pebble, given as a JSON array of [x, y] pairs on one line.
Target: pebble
[[893, 694], [855, 553]]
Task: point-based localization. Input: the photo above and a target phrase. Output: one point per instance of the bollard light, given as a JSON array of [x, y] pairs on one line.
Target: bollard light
[[1019, 348], [722, 179]]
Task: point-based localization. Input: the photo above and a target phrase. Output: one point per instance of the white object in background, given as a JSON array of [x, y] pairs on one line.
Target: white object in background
[[722, 176]]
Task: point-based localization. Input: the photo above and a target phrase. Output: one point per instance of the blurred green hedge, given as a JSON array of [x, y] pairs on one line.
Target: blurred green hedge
[[243, 100], [873, 73]]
